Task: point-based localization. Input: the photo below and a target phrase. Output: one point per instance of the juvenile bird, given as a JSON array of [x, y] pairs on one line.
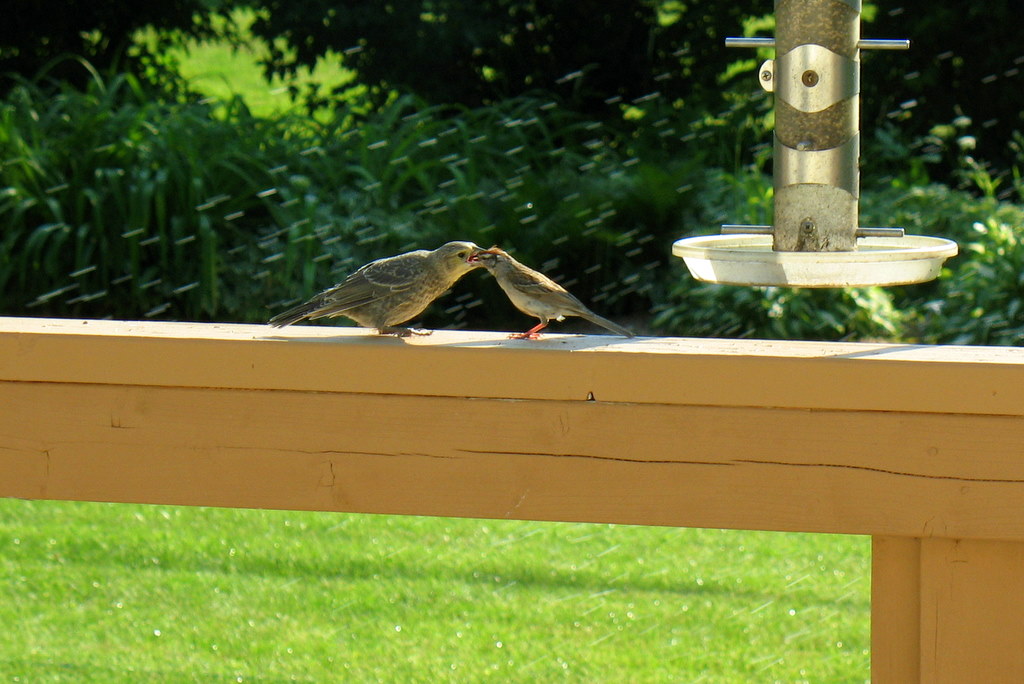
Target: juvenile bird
[[535, 294], [389, 291]]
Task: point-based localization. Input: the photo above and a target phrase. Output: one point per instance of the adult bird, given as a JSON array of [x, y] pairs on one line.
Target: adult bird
[[390, 291], [535, 294]]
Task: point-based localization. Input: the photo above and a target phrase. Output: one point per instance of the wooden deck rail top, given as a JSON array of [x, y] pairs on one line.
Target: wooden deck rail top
[[921, 447]]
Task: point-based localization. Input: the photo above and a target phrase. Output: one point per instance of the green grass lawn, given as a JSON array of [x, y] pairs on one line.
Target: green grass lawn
[[222, 71], [125, 593]]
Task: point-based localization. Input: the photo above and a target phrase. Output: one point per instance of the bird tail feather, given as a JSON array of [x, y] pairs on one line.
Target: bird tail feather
[[295, 314], [606, 324]]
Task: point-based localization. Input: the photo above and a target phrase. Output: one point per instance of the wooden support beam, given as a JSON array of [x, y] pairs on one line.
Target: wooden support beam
[[920, 447], [895, 610], [972, 611], [947, 610]]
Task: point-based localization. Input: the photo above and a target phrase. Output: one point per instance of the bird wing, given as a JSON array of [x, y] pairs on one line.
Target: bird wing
[[533, 283], [373, 281], [535, 294], [396, 273], [547, 291]]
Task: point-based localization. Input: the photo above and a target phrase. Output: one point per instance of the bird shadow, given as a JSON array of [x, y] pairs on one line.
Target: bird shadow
[[337, 339], [558, 341], [887, 350]]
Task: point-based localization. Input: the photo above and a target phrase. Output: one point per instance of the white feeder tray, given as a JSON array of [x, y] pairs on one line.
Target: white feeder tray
[[749, 260]]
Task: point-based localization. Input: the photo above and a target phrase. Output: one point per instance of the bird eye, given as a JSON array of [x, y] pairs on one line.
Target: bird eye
[[463, 254]]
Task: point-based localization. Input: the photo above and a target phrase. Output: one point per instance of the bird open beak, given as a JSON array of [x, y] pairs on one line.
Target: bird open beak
[[475, 256]]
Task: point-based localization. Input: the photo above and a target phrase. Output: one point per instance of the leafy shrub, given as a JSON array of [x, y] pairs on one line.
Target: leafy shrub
[[948, 73], [116, 204], [981, 298], [37, 37], [121, 205], [700, 309], [478, 53], [978, 298]]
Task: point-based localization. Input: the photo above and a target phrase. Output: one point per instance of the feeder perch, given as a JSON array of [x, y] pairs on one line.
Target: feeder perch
[[815, 239]]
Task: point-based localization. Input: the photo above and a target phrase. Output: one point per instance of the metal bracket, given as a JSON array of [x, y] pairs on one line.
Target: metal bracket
[[863, 44], [811, 78], [766, 75], [862, 232], [817, 184], [815, 236], [835, 166], [766, 72]]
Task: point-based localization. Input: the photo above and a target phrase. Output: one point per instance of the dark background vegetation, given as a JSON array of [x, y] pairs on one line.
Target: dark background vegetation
[[585, 136]]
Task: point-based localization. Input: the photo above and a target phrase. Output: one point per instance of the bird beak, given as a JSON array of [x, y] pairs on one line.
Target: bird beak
[[474, 258]]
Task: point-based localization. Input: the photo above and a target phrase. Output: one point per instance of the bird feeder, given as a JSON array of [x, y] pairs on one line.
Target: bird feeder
[[815, 239]]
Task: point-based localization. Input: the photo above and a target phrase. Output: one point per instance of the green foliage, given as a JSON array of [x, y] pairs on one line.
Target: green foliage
[[447, 51], [121, 205], [230, 66], [38, 38], [981, 299], [118, 204], [703, 310], [978, 298], [965, 60], [698, 309]]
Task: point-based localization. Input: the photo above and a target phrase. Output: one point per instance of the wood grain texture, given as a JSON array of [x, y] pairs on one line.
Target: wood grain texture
[[702, 466], [972, 611], [811, 375], [895, 610]]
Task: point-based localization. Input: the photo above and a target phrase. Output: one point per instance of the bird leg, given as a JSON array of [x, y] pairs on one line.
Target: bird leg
[[531, 334]]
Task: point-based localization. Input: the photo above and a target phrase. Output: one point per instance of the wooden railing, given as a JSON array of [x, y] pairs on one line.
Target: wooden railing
[[920, 447]]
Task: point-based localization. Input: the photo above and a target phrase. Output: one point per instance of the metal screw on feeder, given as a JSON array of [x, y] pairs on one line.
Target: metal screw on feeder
[[816, 240]]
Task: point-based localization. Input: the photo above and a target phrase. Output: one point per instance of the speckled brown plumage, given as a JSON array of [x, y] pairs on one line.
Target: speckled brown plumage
[[535, 294], [389, 291]]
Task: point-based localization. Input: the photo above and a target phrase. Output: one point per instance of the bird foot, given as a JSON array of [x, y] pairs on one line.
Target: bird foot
[[524, 336], [404, 332]]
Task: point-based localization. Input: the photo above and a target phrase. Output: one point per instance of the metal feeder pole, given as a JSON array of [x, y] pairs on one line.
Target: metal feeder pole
[[817, 125], [816, 80], [814, 234]]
